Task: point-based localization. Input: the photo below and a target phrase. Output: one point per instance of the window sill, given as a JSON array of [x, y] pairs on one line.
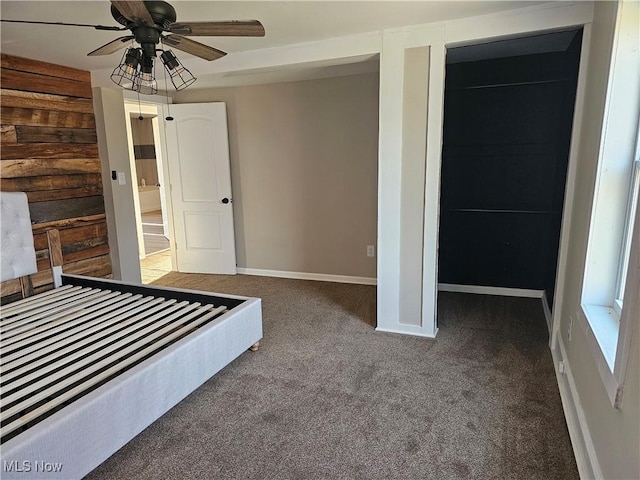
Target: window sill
[[602, 325], [605, 325]]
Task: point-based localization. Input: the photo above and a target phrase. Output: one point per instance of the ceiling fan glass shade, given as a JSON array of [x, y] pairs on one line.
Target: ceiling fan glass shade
[[180, 76], [126, 73], [145, 82]]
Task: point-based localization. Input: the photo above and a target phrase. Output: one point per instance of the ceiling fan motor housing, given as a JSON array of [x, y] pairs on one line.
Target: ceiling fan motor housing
[[161, 12], [147, 35]]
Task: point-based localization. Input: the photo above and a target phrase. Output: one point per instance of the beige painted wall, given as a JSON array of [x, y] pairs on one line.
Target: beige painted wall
[[615, 433], [304, 173]]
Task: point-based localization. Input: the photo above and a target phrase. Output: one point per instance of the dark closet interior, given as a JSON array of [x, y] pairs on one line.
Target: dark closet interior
[[507, 128]]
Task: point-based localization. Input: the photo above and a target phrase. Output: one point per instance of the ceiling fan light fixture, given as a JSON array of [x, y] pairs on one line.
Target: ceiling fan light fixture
[[126, 72], [152, 22], [145, 81], [180, 76]]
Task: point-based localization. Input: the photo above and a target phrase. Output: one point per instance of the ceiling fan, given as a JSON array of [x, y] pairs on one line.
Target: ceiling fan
[[153, 22]]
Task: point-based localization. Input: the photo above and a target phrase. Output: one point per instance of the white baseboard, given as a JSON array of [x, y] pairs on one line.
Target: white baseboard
[[583, 448], [504, 291], [321, 277], [547, 313], [406, 332]]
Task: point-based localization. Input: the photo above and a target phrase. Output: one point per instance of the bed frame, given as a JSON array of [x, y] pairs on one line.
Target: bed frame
[[88, 365]]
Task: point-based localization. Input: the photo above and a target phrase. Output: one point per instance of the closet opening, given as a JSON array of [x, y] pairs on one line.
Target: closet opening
[[508, 116]]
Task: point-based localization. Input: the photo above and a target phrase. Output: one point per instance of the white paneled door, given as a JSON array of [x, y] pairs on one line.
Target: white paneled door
[[200, 188]]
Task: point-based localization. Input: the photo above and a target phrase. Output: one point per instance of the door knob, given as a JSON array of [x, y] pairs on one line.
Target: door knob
[[225, 200]]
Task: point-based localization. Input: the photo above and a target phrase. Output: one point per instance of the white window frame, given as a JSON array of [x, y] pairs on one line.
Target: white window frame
[[612, 243], [632, 205]]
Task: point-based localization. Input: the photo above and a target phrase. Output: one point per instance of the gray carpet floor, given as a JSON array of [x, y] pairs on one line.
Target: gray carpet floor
[[326, 397]]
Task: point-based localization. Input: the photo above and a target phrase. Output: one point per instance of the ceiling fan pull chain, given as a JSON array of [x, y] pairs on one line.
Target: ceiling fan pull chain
[[168, 118], [140, 117]]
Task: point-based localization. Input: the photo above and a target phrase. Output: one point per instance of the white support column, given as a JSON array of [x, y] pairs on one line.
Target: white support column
[[389, 181], [411, 98]]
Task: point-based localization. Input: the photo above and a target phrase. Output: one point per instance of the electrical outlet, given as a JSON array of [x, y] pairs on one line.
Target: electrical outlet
[[570, 329], [371, 251], [122, 179], [561, 367]]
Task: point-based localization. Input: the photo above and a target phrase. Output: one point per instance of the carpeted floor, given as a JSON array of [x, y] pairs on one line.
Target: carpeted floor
[[326, 397]]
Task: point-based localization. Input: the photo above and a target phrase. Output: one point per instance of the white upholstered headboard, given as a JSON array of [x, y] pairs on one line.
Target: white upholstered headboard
[[17, 253]]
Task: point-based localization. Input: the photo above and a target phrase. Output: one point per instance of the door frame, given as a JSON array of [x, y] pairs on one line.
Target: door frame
[[156, 113]]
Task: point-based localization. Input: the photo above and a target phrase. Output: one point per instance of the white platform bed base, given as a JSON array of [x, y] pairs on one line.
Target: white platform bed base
[[88, 365], [69, 345]]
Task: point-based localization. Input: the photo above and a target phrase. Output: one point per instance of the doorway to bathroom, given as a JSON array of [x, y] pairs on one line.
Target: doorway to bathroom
[[150, 205], [149, 173]]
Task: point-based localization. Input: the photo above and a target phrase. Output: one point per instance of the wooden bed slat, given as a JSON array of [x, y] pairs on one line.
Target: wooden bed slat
[[62, 376], [10, 309], [27, 326], [164, 336], [45, 326], [90, 348], [37, 354], [97, 321], [50, 308]]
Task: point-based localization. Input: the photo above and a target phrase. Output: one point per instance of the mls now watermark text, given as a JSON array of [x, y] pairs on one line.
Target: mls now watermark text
[[29, 466]]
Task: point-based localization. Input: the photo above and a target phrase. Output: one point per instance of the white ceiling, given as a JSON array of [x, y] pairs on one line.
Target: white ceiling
[[286, 23]]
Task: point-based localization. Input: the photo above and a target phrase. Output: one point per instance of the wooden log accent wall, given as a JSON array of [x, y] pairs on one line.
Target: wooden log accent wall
[[49, 150]]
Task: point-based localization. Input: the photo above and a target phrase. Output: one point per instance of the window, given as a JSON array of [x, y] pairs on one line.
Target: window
[[614, 208], [632, 205]]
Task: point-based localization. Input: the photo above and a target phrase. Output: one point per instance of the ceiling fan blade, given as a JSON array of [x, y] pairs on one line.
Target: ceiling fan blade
[[97, 27], [194, 48], [134, 10], [234, 28], [112, 46]]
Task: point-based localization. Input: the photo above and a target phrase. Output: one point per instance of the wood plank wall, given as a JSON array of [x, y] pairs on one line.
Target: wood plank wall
[[49, 150]]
